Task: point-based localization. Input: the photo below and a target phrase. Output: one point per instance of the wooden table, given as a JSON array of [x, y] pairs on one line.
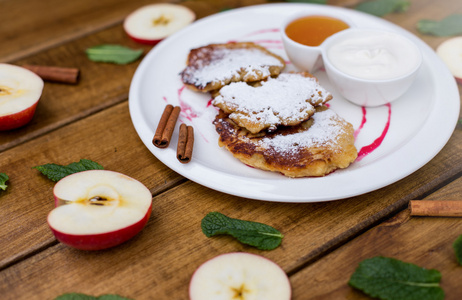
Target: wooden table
[[323, 243]]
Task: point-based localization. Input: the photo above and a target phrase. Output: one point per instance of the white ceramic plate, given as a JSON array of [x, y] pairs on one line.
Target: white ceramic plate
[[406, 135]]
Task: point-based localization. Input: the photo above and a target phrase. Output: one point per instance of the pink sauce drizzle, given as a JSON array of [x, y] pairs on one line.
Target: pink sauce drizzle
[[276, 44], [262, 31], [186, 110], [366, 150], [363, 121], [267, 42]]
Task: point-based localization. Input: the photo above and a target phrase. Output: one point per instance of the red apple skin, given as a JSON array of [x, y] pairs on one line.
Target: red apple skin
[[19, 119], [104, 240], [459, 80], [144, 41]]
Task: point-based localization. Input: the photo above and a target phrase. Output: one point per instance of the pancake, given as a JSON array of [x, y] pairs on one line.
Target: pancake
[[211, 67], [286, 100], [316, 147]]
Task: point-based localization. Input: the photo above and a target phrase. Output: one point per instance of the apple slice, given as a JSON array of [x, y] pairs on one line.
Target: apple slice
[[152, 23], [98, 209], [450, 51], [240, 276], [20, 91]]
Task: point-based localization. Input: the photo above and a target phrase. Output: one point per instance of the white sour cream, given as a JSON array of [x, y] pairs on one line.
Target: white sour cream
[[374, 56]]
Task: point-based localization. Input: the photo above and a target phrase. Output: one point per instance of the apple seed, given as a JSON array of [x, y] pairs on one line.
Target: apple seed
[[97, 200], [162, 20], [4, 91]]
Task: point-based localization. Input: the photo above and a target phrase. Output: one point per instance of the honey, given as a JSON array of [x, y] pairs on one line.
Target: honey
[[313, 30]]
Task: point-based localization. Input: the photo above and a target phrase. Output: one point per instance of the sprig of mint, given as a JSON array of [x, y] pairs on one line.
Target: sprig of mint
[[458, 249], [255, 234], [449, 26], [3, 179], [391, 279], [79, 296], [381, 8], [308, 1], [56, 172], [113, 54]]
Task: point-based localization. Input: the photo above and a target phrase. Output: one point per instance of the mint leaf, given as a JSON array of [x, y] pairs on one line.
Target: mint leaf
[[259, 235], [3, 179], [392, 279], [381, 8], [75, 296], [449, 26], [113, 54], [308, 1], [56, 172], [78, 296], [458, 249]]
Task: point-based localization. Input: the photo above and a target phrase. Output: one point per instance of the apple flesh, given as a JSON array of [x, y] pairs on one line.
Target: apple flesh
[[450, 51], [98, 209], [20, 91], [152, 23], [241, 276]]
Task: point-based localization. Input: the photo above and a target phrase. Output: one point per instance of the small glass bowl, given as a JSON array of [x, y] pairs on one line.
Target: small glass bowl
[[307, 58]]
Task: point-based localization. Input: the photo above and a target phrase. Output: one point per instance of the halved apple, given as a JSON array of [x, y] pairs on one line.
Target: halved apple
[[239, 275], [450, 51], [152, 23], [98, 209], [20, 91]]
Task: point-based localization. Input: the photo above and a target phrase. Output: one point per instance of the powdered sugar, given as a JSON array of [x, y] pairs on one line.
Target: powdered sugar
[[225, 64], [288, 97], [324, 132]]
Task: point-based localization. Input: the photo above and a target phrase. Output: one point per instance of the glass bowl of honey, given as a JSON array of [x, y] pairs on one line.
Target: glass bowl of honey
[[303, 34]]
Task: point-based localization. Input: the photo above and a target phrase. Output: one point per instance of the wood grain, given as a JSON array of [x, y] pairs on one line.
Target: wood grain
[[424, 241], [425, 9], [162, 258], [323, 242], [35, 26], [101, 85], [107, 138]]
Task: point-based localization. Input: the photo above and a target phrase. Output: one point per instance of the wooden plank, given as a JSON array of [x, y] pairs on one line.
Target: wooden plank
[[107, 138], [425, 9], [26, 31], [161, 260], [425, 241], [62, 104], [101, 85], [59, 22]]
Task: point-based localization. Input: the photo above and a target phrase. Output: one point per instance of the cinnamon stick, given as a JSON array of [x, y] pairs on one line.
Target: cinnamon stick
[[55, 74], [185, 144], [166, 126], [435, 208]]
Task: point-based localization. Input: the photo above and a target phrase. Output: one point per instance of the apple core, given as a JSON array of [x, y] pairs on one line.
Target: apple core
[[98, 209]]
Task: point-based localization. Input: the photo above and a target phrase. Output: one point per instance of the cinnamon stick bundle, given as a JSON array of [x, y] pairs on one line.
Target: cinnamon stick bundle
[[185, 144], [55, 74], [166, 126], [436, 208]]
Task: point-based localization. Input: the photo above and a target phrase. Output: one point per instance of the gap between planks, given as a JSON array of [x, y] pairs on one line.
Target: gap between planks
[[53, 242], [53, 43], [385, 215]]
